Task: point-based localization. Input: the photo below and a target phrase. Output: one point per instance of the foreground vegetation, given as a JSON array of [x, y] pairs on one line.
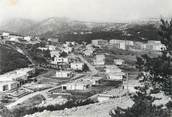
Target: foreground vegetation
[[155, 76]]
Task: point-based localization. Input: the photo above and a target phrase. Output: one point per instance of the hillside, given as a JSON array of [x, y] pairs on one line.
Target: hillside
[[17, 25], [64, 28], [11, 59]]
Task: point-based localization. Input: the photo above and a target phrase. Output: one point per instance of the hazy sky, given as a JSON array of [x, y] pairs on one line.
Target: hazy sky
[[88, 10]]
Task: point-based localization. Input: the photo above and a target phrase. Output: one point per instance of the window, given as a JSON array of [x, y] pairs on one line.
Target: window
[[14, 86], [5, 87], [64, 87]]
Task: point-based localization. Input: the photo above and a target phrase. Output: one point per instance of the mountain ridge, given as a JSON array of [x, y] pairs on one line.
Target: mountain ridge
[[60, 25]]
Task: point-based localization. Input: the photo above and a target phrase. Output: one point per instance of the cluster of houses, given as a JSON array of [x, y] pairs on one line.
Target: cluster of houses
[[113, 71], [12, 80], [67, 64], [151, 45], [18, 38]]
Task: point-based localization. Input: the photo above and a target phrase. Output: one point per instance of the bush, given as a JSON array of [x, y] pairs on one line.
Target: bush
[[71, 103]]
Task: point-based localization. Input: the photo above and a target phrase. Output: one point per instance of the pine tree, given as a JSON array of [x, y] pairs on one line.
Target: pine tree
[[155, 74]]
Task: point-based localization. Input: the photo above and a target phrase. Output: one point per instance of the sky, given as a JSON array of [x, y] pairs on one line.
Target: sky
[[86, 10]]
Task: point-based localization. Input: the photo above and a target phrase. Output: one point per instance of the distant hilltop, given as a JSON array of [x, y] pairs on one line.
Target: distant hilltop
[[56, 25]]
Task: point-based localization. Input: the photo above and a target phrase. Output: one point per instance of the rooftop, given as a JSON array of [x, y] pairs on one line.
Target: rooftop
[[15, 74]]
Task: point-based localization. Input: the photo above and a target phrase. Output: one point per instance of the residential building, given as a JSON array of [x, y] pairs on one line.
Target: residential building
[[140, 45], [89, 50], [53, 41], [130, 85], [77, 66], [120, 44], [9, 85], [103, 97], [51, 47], [60, 60], [155, 45], [67, 49], [95, 80], [128, 42], [27, 38], [112, 69], [77, 85], [64, 74], [118, 61], [20, 74], [118, 76], [55, 53], [5, 34], [99, 60], [42, 48], [99, 42], [12, 80], [114, 73]]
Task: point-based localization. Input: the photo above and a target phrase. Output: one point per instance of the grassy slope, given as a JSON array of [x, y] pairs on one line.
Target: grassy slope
[[11, 59]]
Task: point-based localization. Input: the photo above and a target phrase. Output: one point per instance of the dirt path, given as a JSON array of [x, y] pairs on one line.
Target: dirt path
[[91, 67]]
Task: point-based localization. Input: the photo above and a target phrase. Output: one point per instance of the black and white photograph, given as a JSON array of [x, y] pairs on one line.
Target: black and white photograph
[[85, 58]]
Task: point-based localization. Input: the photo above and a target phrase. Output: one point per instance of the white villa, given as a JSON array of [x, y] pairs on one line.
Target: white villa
[[77, 85], [118, 61], [77, 66], [64, 74], [11, 80], [99, 60]]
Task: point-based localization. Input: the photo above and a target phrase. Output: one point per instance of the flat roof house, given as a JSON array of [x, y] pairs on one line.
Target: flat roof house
[[114, 73], [60, 60], [78, 85], [155, 45], [55, 53], [99, 42], [130, 85], [8, 85], [51, 47], [77, 66], [118, 61], [19, 74], [99, 60], [95, 80], [120, 44], [112, 68], [11, 80], [5, 34], [103, 97], [63, 74], [53, 41], [27, 38], [118, 76]]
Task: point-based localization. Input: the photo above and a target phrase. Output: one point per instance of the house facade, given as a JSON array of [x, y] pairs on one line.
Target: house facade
[[63, 74], [8, 86], [118, 61], [99, 60], [77, 66], [76, 86], [99, 42]]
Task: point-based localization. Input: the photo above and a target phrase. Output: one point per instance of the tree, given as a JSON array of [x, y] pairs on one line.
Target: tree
[[47, 53], [63, 54], [160, 68], [155, 74]]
